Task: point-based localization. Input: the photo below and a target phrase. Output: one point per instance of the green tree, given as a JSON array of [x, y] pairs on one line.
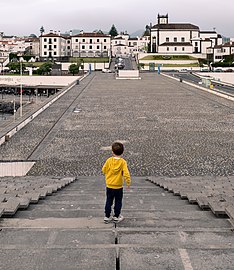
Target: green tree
[[141, 66], [74, 68], [13, 56], [16, 66], [45, 69], [147, 31], [113, 31], [42, 30]]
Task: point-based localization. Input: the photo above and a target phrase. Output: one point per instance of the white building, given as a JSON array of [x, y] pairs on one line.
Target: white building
[[219, 52], [34, 46], [91, 45], [181, 38], [119, 45], [54, 45], [57, 46], [123, 45], [139, 44]]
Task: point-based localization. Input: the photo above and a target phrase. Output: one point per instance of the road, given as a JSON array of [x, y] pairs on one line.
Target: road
[[190, 77]]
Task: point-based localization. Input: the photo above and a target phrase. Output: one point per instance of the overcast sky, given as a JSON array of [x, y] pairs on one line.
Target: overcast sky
[[24, 17]]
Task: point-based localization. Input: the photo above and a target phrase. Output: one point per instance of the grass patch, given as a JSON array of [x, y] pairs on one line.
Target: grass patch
[[89, 59], [168, 57], [178, 65]]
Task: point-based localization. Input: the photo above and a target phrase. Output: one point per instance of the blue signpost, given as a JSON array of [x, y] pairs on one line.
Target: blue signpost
[[159, 68]]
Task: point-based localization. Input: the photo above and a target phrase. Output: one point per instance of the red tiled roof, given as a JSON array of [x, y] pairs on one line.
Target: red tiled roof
[[181, 44], [176, 26], [92, 35]]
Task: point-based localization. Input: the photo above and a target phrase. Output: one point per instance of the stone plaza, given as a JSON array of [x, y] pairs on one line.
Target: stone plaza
[[175, 135]]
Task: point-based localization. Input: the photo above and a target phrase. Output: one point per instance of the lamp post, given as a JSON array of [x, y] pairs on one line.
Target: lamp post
[[21, 91]]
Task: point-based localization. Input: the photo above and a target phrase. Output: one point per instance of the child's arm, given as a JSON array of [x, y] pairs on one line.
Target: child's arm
[[105, 168], [126, 174]]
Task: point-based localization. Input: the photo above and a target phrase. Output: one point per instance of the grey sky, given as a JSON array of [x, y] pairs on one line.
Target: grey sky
[[23, 17]]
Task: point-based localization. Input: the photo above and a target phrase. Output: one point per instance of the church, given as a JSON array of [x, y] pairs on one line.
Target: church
[[181, 38]]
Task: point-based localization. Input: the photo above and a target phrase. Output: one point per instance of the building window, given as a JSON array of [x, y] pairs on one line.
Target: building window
[[104, 40], [55, 39], [83, 40], [45, 39], [98, 47], [182, 48], [76, 40], [167, 39], [182, 39], [168, 49], [98, 40], [55, 53], [68, 47], [196, 44], [45, 53], [90, 47], [175, 49], [175, 39], [104, 47], [45, 46], [50, 40], [83, 47], [55, 46], [90, 41], [68, 42]]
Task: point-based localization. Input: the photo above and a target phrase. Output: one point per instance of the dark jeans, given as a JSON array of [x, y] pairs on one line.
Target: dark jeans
[[111, 195]]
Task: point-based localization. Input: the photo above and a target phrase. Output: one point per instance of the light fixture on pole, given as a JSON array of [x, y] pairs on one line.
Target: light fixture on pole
[[21, 91]]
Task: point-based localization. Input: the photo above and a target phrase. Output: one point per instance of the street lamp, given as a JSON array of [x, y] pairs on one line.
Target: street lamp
[[21, 91]]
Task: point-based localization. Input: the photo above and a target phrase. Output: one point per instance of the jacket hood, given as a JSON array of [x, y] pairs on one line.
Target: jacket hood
[[116, 165]]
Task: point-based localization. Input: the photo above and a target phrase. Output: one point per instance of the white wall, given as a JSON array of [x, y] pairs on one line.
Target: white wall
[[94, 66], [15, 168], [187, 49], [38, 80], [174, 34]]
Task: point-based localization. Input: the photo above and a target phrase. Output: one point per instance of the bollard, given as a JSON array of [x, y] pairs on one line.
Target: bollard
[[7, 138], [181, 80], [78, 82]]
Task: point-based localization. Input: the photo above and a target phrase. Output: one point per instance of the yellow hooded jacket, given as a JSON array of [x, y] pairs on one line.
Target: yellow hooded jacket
[[116, 170]]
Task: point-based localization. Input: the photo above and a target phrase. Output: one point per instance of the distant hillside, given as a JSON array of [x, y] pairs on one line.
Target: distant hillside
[[138, 33]]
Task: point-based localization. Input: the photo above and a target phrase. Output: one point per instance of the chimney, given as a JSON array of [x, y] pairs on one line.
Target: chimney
[[51, 31], [81, 32], [70, 32], [59, 33]]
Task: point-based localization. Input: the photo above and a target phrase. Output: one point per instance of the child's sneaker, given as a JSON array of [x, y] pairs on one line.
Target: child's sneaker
[[107, 219], [118, 219]]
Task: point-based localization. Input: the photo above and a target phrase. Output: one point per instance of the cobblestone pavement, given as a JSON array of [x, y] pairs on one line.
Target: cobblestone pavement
[[169, 129]]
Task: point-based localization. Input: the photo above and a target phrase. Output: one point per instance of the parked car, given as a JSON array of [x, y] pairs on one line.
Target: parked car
[[228, 70], [183, 70], [106, 70], [218, 70]]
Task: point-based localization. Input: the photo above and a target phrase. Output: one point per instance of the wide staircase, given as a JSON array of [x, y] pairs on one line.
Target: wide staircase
[[66, 230]]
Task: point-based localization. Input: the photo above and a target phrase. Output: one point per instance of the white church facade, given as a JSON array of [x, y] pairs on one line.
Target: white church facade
[[181, 38]]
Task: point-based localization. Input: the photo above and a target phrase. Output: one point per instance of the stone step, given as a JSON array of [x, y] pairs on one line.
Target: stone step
[[10, 207]]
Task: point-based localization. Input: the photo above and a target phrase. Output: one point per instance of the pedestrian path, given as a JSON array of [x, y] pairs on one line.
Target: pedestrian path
[[160, 231]]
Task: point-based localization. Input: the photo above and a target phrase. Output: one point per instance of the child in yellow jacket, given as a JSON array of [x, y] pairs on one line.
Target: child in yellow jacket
[[116, 171]]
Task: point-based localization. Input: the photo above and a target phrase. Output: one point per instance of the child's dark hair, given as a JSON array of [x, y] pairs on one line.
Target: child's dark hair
[[117, 148]]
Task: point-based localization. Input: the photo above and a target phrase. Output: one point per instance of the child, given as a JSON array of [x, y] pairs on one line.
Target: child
[[115, 170]]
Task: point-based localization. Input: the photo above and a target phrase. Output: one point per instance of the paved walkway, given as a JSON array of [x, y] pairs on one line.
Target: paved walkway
[[160, 231], [170, 130]]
